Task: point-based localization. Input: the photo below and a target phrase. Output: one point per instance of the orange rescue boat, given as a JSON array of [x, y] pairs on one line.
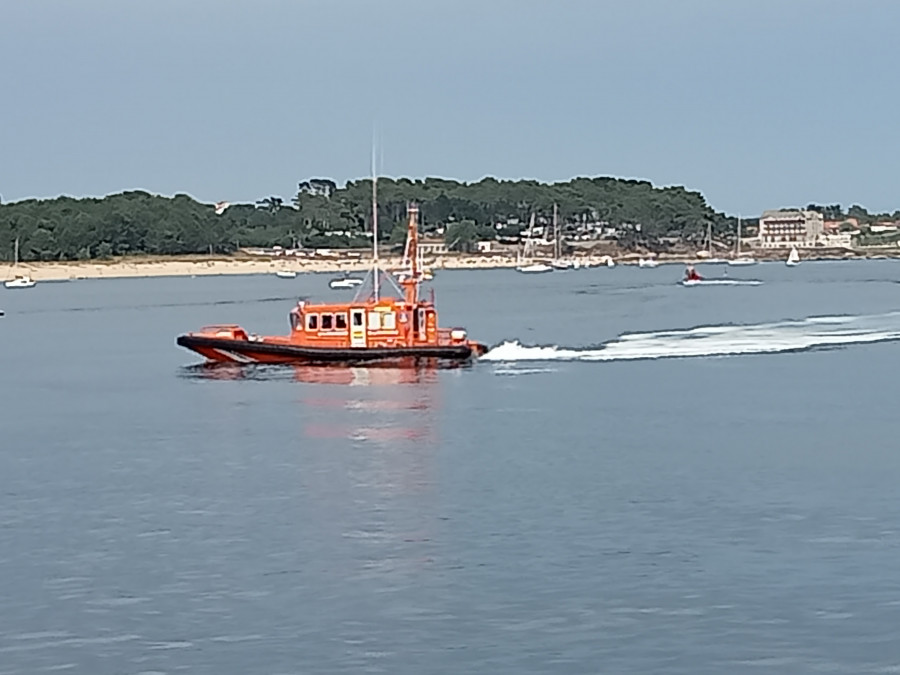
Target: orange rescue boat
[[368, 329]]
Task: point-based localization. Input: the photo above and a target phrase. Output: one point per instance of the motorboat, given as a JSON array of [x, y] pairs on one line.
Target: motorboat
[[371, 328], [20, 281], [534, 268], [345, 281], [286, 274]]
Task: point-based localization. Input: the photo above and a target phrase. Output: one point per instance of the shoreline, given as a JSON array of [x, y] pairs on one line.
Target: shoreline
[[223, 265]]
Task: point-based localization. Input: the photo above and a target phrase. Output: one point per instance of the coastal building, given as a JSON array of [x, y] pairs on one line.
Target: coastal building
[[784, 229], [837, 240], [432, 246]]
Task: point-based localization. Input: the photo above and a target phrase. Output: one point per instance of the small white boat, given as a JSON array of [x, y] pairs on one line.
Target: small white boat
[[345, 282], [647, 262], [534, 268], [740, 260], [21, 281], [286, 274], [793, 257]]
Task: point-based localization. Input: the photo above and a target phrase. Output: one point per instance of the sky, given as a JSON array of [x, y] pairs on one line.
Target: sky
[[757, 104]]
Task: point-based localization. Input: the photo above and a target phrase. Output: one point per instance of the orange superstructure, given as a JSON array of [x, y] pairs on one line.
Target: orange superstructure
[[370, 328]]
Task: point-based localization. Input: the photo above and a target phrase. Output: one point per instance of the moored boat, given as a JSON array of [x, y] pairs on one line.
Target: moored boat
[[21, 281], [345, 281], [373, 328]]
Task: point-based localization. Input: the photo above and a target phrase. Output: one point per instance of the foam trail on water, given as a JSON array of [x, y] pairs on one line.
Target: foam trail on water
[[724, 340]]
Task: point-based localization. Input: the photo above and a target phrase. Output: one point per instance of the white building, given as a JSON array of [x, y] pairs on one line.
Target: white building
[[783, 229]]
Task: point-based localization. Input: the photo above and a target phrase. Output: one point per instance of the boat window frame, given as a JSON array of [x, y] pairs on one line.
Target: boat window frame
[[360, 315], [327, 318], [389, 321], [339, 319], [312, 321], [373, 321]]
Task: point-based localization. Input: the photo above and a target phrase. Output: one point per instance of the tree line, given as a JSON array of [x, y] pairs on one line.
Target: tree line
[[323, 214]]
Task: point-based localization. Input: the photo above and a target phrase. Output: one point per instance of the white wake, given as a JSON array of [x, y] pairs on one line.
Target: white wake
[[782, 336]]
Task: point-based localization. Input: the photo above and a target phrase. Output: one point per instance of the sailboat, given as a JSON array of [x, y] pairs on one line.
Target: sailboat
[[525, 263], [741, 260], [20, 280], [793, 257], [711, 258], [558, 261]]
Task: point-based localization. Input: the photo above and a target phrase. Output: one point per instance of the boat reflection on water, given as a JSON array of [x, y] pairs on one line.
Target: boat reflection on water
[[368, 440], [397, 372]]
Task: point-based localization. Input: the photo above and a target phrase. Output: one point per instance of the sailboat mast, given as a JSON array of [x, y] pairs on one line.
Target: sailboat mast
[[556, 245], [739, 236], [375, 273]]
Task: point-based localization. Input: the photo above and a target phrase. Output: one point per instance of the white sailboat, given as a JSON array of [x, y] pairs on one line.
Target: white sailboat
[[558, 261], [525, 263], [710, 256], [20, 280], [741, 260], [793, 257], [648, 262]]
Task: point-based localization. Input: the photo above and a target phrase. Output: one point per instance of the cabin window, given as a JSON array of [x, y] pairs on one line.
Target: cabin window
[[340, 321], [389, 321], [357, 318], [312, 322], [327, 322], [374, 321]]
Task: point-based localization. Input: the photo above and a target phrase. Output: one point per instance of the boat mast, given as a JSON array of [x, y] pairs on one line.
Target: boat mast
[[557, 249], [375, 272], [411, 284], [739, 237]]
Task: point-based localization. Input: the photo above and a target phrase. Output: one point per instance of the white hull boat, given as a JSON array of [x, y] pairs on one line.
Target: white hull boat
[[534, 268], [346, 282], [20, 282], [793, 258]]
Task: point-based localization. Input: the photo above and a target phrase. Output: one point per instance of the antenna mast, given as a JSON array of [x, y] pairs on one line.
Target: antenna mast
[[375, 272]]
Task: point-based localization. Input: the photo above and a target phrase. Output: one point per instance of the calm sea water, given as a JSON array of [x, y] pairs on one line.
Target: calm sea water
[[569, 509]]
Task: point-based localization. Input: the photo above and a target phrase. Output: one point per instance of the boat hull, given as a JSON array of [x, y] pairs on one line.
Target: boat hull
[[256, 351]]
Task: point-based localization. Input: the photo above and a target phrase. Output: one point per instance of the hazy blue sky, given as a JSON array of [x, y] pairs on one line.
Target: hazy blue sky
[[755, 103]]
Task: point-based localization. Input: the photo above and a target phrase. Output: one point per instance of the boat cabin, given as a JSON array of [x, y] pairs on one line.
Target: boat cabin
[[387, 322]]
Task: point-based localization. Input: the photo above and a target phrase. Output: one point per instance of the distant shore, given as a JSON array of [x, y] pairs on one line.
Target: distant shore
[[222, 265]]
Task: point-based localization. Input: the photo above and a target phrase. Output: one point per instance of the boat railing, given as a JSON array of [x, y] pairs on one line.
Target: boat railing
[[451, 335]]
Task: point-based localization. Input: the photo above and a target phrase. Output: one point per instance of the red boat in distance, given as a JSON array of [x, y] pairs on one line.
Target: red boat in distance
[[374, 328]]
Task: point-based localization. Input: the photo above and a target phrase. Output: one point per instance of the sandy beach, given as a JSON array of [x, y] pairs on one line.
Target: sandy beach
[[206, 265]]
